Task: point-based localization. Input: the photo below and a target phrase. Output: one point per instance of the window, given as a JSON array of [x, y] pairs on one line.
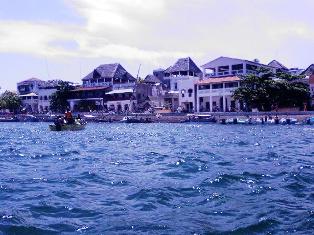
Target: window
[[45, 97], [217, 86], [183, 93], [176, 86], [201, 99], [190, 91], [231, 84], [204, 87]]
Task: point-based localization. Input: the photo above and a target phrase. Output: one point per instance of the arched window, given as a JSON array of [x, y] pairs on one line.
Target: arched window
[[182, 93]]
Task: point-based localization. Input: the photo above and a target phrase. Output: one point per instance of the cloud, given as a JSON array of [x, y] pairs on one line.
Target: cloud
[[157, 31]]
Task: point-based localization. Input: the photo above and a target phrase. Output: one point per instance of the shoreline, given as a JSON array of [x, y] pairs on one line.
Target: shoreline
[[162, 118]]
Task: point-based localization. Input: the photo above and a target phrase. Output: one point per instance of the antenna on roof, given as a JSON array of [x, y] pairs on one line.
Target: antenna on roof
[[138, 71]]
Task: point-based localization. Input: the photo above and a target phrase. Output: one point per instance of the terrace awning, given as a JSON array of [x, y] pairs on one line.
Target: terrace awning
[[29, 95], [120, 91]]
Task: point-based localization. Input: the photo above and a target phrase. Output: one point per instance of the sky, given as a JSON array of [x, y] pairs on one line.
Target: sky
[[67, 39]]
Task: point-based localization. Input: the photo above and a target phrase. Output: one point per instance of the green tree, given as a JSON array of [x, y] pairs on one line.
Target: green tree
[[266, 90], [10, 100], [59, 99]]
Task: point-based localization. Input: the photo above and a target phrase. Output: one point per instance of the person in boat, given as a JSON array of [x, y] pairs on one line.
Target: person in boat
[[69, 117], [59, 121]]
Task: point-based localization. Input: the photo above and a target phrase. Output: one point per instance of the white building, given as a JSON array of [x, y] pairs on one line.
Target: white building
[[107, 87], [215, 94], [28, 92], [36, 94], [226, 66], [181, 77]]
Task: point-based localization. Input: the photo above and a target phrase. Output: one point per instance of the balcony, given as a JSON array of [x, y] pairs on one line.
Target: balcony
[[123, 85], [217, 92], [99, 84]]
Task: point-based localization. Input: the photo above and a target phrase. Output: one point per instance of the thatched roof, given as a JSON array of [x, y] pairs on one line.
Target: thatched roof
[[115, 71], [31, 80], [184, 65], [309, 71], [278, 65], [151, 79]]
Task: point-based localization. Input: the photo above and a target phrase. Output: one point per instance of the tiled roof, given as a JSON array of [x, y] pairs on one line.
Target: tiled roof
[[277, 65], [218, 80], [115, 71], [184, 64], [90, 88]]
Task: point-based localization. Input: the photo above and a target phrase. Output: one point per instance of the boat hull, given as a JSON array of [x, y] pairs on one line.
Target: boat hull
[[75, 127]]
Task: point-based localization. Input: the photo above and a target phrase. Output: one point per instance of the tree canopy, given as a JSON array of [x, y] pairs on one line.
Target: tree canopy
[[10, 100], [59, 99], [267, 90]]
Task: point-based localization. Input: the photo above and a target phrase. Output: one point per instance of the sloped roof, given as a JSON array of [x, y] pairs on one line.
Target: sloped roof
[[184, 64], [32, 80], [217, 62], [115, 71], [151, 79], [309, 71], [277, 65], [218, 80]]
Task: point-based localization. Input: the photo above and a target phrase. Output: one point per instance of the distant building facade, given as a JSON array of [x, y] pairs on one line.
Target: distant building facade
[[181, 78], [226, 66], [215, 94], [36, 94], [107, 87], [150, 93]]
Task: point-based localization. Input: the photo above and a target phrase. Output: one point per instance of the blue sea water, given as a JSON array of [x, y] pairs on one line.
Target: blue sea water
[[157, 179]]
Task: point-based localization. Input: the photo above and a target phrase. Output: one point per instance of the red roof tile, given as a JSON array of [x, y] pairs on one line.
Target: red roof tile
[[91, 88], [218, 80]]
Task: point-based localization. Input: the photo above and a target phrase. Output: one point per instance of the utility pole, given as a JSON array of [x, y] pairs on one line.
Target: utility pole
[[138, 71]]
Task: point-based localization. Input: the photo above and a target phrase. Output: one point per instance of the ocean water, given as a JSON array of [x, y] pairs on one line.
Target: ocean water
[[157, 179]]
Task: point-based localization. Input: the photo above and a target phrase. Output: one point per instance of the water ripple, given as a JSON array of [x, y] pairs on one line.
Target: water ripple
[[156, 178]]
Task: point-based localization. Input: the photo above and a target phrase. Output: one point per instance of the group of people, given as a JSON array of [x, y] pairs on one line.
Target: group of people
[[67, 119]]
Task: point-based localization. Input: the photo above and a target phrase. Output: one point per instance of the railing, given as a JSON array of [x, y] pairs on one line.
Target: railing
[[123, 85], [239, 71], [226, 91], [223, 73], [97, 84]]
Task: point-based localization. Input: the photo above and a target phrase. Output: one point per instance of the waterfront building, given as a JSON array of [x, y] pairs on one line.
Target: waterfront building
[[36, 94], [107, 87], [226, 66], [181, 78], [215, 94], [150, 93]]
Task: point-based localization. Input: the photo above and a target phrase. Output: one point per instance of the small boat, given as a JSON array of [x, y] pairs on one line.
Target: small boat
[[288, 121], [9, 119], [310, 121], [132, 119], [77, 126], [237, 121], [200, 118]]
